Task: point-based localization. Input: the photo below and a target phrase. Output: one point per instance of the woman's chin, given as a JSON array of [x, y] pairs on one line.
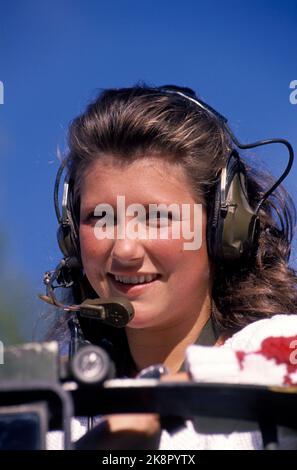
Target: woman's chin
[[140, 321], [137, 323]]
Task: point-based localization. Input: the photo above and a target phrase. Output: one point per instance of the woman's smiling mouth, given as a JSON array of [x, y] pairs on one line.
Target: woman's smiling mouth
[[133, 283]]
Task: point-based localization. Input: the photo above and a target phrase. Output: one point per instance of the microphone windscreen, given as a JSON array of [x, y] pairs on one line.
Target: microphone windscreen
[[114, 311]]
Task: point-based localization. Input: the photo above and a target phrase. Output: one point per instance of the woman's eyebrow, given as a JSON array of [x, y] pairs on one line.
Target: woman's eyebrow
[[163, 204], [91, 207]]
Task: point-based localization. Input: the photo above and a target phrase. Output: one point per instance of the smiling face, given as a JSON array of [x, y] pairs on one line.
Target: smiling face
[[165, 282]]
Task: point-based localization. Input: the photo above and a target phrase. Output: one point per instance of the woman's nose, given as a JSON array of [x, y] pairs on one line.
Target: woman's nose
[[127, 251]]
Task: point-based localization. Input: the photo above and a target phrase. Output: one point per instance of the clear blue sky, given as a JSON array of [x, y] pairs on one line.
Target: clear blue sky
[[54, 55]]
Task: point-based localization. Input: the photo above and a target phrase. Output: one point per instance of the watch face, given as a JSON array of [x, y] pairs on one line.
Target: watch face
[[153, 372]]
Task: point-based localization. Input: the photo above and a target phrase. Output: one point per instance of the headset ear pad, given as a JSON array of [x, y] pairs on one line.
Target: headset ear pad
[[213, 236], [66, 241], [233, 227], [67, 235]]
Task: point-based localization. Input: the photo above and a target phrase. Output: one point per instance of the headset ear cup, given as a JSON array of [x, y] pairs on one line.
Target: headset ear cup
[[64, 241], [67, 233], [214, 235], [254, 235], [233, 228], [69, 245]]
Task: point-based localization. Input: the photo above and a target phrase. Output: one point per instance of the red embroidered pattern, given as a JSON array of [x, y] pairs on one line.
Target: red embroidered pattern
[[282, 349]]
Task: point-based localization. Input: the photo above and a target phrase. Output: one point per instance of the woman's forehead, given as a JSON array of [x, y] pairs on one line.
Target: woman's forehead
[[144, 181], [110, 162], [148, 174]]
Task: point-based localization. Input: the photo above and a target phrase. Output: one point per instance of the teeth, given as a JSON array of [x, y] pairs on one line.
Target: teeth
[[136, 280]]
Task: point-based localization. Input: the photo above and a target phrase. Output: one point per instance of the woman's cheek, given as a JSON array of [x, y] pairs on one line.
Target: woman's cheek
[[91, 248]]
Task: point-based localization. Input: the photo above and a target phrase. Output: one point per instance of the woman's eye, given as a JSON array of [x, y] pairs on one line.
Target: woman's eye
[[159, 219], [92, 217]]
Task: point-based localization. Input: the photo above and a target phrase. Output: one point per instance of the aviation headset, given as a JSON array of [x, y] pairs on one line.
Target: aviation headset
[[233, 225]]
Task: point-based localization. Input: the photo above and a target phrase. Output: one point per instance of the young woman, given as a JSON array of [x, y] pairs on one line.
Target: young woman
[[160, 209]]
